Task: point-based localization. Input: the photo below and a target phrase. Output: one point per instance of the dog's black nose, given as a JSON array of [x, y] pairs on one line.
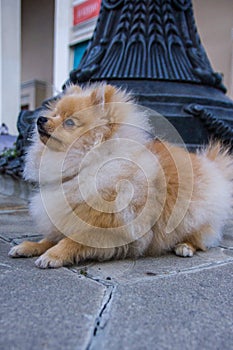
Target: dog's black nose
[[42, 120]]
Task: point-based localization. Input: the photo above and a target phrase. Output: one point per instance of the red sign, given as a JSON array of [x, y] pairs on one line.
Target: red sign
[[87, 10]]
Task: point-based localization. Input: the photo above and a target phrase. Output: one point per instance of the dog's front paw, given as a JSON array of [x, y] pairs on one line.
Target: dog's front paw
[[45, 261], [64, 253], [23, 250], [51, 260], [15, 252], [184, 249]]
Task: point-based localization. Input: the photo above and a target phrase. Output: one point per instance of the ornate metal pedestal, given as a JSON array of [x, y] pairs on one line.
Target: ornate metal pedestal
[[152, 48]]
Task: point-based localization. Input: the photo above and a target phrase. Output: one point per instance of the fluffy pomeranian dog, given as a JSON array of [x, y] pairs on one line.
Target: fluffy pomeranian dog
[[109, 190]]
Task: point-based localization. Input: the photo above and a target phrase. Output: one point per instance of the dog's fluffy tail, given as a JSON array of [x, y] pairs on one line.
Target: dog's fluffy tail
[[221, 155]]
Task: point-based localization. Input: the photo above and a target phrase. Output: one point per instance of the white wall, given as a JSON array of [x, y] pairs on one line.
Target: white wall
[[10, 62], [62, 25], [214, 20]]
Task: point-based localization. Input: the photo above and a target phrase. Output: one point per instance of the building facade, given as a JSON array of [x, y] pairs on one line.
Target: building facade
[[50, 36]]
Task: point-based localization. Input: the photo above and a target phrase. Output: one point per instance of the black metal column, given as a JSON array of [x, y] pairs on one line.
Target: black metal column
[[152, 47]]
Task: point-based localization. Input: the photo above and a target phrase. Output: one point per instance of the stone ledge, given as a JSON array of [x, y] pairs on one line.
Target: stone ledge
[[15, 187]]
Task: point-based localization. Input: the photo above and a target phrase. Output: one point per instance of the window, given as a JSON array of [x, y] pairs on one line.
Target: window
[[79, 50]]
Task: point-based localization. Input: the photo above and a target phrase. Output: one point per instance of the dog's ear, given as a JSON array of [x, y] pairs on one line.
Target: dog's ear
[[103, 94]]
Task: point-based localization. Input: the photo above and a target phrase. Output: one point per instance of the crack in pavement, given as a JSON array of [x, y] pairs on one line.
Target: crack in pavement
[[225, 247], [15, 210], [23, 236], [29, 236], [5, 239], [103, 314]]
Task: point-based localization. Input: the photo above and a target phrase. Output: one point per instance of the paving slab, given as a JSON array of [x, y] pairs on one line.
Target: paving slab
[[153, 303], [15, 187], [227, 241], [15, 221], [16, 224], [185, 311], [12, 203], [52, 309]]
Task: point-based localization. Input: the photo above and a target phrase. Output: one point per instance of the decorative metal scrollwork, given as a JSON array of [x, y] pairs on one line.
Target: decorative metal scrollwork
[[112, 4], [217, 128], [146, 39]]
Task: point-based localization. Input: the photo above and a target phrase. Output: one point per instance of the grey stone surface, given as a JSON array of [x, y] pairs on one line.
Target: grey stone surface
[[15, 187], [11, 203], [185, 311], [16, 224], [52, 309], [227, 241], [15, 221], [154, 303]]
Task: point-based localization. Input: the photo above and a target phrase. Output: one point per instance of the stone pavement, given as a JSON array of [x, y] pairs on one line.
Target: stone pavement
[[154, 303]]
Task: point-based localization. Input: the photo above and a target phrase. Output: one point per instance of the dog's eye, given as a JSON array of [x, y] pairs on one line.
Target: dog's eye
[[69, 123]]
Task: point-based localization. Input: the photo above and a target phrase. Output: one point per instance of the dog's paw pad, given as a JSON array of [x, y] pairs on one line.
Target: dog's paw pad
[[184, 250], [45, 261]]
